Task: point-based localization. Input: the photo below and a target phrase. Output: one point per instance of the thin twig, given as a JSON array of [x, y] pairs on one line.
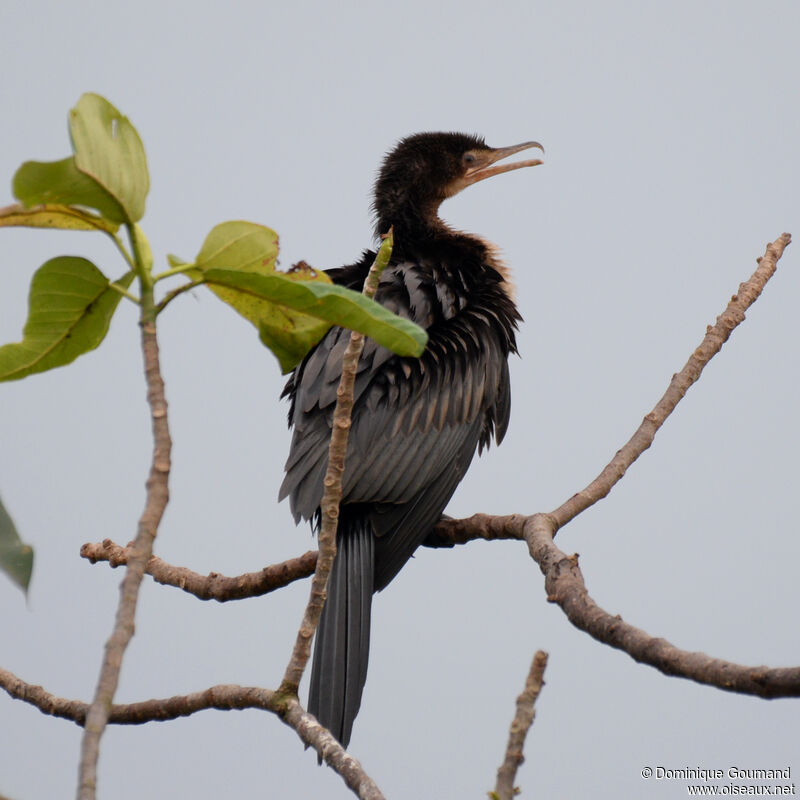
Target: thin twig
[[484, 526], [330, 751], [155, 503], [171, 295], [715, 337], [122, 249], [523, 719], [221, 697], [168, 273], [329, 507], [213, 586]]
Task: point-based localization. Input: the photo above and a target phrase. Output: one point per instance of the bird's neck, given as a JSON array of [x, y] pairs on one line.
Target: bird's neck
[[419, 229], [430, 239], [411, 221]]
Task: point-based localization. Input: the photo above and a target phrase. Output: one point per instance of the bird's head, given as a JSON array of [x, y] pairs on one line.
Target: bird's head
[[427, 168]]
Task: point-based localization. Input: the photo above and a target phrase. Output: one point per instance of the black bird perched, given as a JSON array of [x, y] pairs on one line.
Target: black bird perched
[[416, 423]]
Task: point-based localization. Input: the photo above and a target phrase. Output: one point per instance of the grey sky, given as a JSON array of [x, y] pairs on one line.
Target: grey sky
[[672, 137]]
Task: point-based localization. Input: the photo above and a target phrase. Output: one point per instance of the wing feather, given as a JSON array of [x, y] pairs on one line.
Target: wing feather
[[416, 423]]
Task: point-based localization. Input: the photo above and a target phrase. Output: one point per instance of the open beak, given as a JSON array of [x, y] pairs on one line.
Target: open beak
[[484, 169]]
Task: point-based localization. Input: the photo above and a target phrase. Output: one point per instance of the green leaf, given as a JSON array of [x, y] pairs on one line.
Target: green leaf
[[239, 245], [108, 149], [248, 247], [60, 182], [291, 336], [16, 558], [325, 301], [292, 310], [108, 171], [288, 333], [70, 309], [54, 216]]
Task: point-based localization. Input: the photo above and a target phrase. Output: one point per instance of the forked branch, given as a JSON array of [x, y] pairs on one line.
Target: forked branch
[[563, 579], [155, 503], [223, 698]]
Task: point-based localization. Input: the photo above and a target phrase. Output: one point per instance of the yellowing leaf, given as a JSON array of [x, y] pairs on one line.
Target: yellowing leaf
[[54, 216], [62, 183], [108, 171], [248, 247], [292, 310]]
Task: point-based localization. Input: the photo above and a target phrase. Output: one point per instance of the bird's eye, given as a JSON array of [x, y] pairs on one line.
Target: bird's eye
[[469, 159]]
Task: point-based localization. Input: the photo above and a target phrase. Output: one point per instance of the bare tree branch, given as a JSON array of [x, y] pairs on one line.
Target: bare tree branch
[[331, 752], [520, 725], [777, 682], [284, 701], [223, 588], [155, 503], [222, 698], [563, 579], [715, 337], [565, 586], [329, 507], [449, 532], [212, 586]]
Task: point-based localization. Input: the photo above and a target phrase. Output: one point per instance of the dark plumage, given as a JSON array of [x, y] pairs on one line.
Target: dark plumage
[[416, 422]]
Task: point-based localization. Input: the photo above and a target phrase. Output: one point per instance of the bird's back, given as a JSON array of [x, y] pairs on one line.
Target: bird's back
[[416, 423]]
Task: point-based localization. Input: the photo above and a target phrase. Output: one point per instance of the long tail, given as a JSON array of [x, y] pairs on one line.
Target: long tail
[[341, 650]]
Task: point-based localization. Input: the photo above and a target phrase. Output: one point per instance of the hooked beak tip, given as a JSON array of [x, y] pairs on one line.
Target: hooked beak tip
[[487, 170]]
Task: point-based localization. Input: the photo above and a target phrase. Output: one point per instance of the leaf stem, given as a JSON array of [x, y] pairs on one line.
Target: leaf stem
[[125, 293], [168, 273], [122, 249]]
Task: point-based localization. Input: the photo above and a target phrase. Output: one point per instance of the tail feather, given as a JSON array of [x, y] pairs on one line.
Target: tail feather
[[341, 650]]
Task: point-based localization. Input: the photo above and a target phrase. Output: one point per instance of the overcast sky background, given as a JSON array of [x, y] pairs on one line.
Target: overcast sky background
[[672, 136]]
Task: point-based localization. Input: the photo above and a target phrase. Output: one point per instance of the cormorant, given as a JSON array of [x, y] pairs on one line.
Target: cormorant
[[416, 423]]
